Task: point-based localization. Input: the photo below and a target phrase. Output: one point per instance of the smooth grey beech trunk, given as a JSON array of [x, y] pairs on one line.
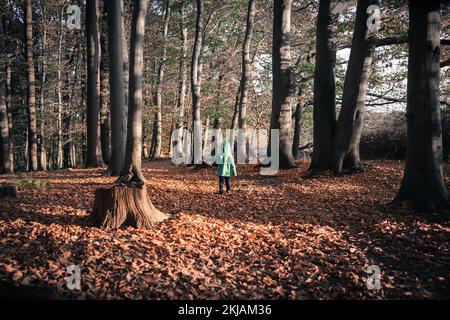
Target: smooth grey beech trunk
[[92, 84], [118, 108], [156, 152], [245, 77], [281, 117], [196, 75], [324, 112], [31, 88], [422, 185], [351, 117], [132, 169], [182, 86]]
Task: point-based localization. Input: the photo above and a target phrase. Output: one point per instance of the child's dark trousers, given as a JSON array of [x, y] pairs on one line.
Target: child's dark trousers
[[227, 183]]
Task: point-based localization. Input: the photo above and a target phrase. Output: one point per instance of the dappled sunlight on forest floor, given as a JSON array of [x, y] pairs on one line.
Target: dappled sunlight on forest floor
[[286, 236]]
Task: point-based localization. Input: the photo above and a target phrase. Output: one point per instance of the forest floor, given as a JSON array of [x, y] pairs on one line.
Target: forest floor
[[283, 236]]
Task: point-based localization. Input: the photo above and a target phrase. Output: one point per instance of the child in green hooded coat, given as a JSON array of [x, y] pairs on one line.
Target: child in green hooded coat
[[226, 167]]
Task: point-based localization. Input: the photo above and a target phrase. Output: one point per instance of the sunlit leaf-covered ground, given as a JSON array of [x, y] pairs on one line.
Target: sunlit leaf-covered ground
[[273, 237]]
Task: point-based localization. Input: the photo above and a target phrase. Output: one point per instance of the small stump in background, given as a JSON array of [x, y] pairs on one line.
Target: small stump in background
[[8, 191], [125, 205]]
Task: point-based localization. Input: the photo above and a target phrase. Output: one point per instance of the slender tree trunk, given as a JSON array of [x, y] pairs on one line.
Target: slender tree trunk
[[147, 102], [66, 145], [281, 118], [205, 138], [105, 125], [297, 130], [92, 85], [154, 134], [67, 117], [182, 86], [159, 85], [99, 88], [324, 114], [8, 51], [423, 185], [118, 107], [31, 88], [125, 50], [154, 119], [350, 121], [42, 148], [195, 78], [59, 122], [245, 78], [5, 165], [235, 118], [9, 113], [83, 122], [70, 119], [27, 150]]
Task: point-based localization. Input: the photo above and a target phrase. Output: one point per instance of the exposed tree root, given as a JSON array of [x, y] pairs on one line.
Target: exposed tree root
[[314, 174], [432, 214], [203, 165], [424, 203], [125, 206], [107, 172]]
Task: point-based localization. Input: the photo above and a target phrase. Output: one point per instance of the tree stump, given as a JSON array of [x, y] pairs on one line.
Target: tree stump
[[8, 191], [125, 206]]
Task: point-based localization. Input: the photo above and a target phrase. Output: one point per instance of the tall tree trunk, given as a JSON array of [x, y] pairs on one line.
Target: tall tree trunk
[[67, 117], [66, 145], [105, 125], [245, 78], [118, 107], [128, 204], [350, 121], [154, 134], [42, 148], [281, 117], [182, 86], [31, 88], [132, 171], [235, 118], [92, 84], [59, 122], [27, 150], [196, 84], [324, 114], [422, 185], [146, 122], [9, 113], [5, 165], [297, 130], [205, 137], [159, 85], [8, 51], [125, 50]]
